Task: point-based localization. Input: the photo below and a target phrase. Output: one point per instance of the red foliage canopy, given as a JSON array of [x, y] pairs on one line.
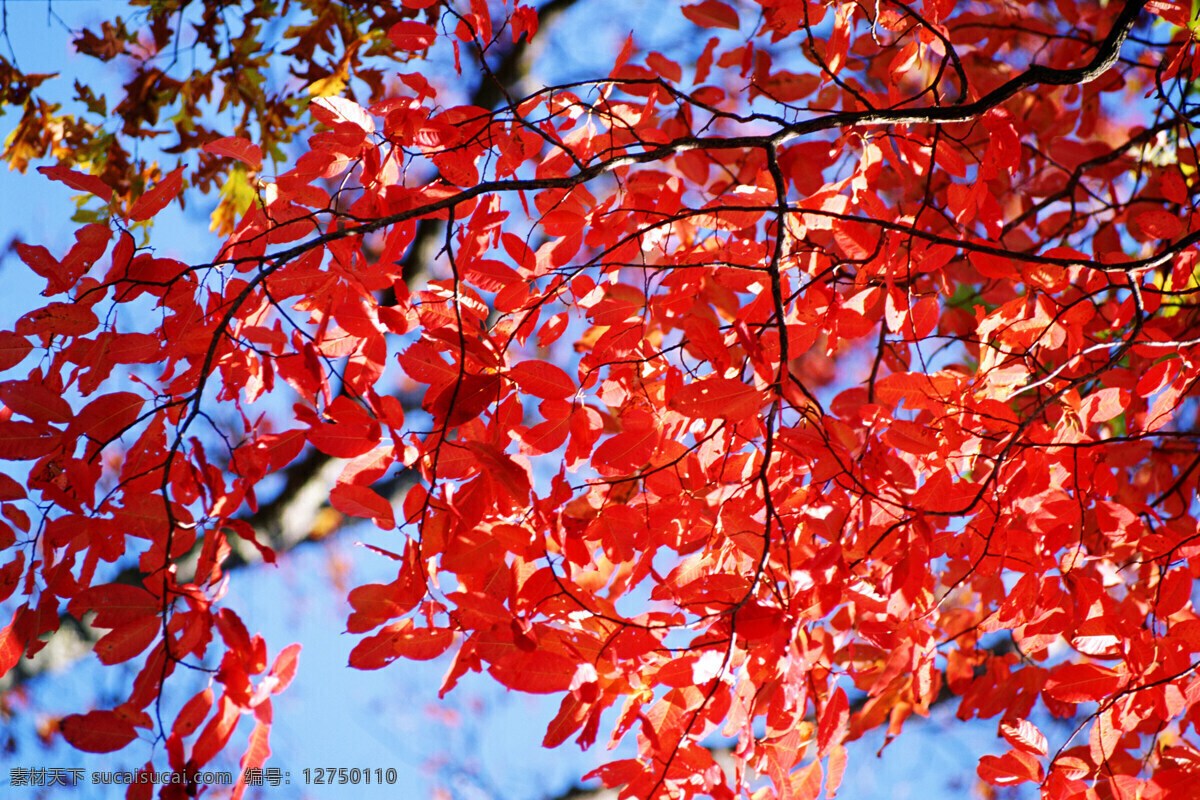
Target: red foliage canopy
[[759, 390]]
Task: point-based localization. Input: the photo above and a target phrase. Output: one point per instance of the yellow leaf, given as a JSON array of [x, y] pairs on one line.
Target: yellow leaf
[[327, 87]]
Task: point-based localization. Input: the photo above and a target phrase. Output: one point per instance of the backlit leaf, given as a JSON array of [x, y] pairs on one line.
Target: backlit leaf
[[155, 200], [724, 398]]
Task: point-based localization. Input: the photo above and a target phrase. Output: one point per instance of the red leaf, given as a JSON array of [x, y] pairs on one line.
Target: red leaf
[[192, 714], [409, 35], [376, 603], [370, 467], [1024, 735], [833, 722], [339, 110], [97, 731], [284, 668], [126, 641], [505, 472], [1010, 769], [344, 439], [115, 604], [216, 733], [134, 348], [911, 437], [1155, 379], [257, 752], [35, 400], [361, 501], [916, 389], [724, 398], [22, 441], [536, 671], [924, 316], [712, 14], [157, 198], [617, 773], [245, 532], [38, 259], [58, 319], [78, 180], [142, 788], [788, 87], [542, 379], [1103, 405], [629, 450], [234, 632], [1081, 683], [108, 416], [11, 649], [400, 639], [470, 396], [571, 713], [10, 489], [13, 349], [423, 363], [236, 147], [547, 436], [1154, 223]]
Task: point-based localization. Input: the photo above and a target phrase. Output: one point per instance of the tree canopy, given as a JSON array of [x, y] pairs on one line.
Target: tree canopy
[[836, 361]]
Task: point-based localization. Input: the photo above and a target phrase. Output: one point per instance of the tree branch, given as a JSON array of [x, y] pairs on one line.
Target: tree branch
[[287, 520]]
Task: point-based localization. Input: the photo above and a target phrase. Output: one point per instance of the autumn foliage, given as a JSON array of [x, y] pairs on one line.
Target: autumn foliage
[[839, 365]]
